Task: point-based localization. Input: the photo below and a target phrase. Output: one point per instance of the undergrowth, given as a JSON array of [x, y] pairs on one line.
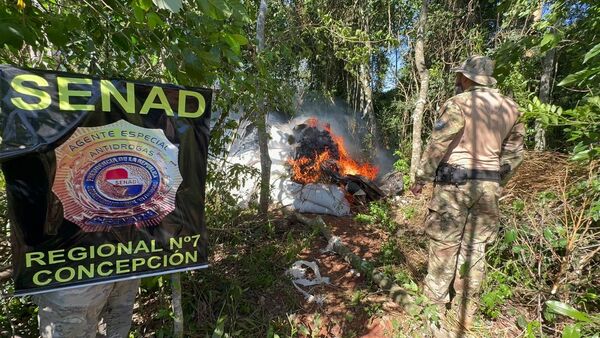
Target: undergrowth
[[546, 261]]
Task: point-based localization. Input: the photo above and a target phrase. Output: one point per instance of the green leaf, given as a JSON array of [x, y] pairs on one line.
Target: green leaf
[[57, 34], [550, 40], [11, 35], [139, 13], [571, 331], [567, 310], [171, 5], [240, 39], [591, 53], [232, 43], [576, 77], [209, 9], [222, 7], [510, 236], [121, 40], [581, 156], [145, 4], [154, 20]]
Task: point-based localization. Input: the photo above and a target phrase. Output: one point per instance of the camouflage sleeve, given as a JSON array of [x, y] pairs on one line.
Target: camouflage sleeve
[[512, 151], [448, 125]]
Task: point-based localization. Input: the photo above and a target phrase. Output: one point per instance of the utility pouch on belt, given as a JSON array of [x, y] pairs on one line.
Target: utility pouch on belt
[[447, 173]]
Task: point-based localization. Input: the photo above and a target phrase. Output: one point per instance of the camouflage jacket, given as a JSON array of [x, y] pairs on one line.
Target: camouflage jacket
[[447, 136]]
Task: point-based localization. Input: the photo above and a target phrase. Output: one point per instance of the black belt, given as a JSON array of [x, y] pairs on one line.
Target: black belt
[[483, 175], [453, 174]]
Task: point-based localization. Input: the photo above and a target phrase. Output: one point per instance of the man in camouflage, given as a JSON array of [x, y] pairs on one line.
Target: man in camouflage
[[476, 134], [89, 311]]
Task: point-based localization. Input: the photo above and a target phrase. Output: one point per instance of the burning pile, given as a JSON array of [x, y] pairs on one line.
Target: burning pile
[[312, 170], [322, 157]]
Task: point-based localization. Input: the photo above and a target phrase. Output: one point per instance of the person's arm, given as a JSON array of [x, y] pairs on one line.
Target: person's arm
[[449, 124], [511, 156]]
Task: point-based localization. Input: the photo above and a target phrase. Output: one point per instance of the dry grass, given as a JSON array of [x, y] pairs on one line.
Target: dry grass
[[539, 172]]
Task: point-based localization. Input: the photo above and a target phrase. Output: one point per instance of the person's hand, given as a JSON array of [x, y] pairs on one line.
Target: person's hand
[[416, 189]]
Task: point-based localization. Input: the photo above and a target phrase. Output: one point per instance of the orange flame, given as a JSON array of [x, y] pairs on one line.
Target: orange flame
[[309, 170]]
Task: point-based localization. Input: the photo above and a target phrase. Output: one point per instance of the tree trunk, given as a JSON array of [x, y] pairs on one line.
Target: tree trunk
[[545, 97], [261, 120], [367, 104], [366, 93], [176, 304], [545, 83], [417, 117]]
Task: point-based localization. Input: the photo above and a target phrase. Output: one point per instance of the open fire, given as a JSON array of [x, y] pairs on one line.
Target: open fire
[[322, 157]]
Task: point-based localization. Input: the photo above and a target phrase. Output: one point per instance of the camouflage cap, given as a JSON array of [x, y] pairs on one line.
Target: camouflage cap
[[478, 69]]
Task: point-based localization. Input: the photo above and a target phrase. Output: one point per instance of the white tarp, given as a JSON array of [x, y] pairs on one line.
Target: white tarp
[[316, 198]]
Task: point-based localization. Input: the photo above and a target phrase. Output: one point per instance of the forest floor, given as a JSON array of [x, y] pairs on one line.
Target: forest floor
[[247, 288], [247, 293]]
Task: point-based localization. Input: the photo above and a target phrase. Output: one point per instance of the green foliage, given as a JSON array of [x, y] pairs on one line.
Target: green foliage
[[537, 236], [493, 300], [584, 323], [403, 165], [379, 214], [581, 125], [531, 328]]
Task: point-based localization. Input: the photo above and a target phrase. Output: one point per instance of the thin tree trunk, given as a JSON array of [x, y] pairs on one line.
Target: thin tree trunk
[[545, 83], [261, 121], [417, 118], [545, 97], [176, 304], [364, 75], [367, 97]]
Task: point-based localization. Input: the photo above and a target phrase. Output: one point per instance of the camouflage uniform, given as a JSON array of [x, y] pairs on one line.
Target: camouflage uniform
[[464, 218], [90, 311]]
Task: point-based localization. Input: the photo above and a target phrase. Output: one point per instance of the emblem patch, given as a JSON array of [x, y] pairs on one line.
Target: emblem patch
[[116, 175], [439, 125]]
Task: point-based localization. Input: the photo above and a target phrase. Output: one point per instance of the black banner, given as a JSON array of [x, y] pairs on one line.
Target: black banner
[[105, 178]]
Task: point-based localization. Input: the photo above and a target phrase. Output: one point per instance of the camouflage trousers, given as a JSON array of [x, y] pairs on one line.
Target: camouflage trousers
[[89, 311], [462, 220]]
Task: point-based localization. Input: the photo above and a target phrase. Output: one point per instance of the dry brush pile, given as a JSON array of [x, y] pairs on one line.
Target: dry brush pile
[[544, 268]]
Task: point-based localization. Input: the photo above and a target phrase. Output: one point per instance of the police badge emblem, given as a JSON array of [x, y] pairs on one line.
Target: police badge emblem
[[116, 175]]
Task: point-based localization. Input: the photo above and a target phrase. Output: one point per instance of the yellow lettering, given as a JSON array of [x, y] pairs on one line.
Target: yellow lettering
[[89, 273], [111, 250], [36, 278], [153, 247], [135, 262], [108, 272], [56, 256], [60, 279], [176, 243], [17, 86], [64, 93], [36, 256], [123, 266], [179, 260], [150, 104], [191, 257], [122, 248], [77, 254], [141, 247], [107, 89], [153, 266], [181, 110]]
